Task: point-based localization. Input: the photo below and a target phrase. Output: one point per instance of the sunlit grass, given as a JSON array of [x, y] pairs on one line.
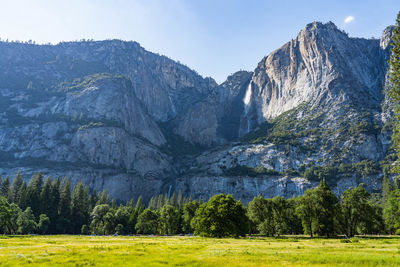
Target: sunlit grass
[[196, 251]]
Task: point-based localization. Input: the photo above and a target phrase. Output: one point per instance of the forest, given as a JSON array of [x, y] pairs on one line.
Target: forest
[[47, 206]]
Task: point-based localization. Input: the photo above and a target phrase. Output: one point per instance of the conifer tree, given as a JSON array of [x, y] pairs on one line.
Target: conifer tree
[[46, 198], [63, 224], [394, 78], [5, 188], [22, 197], [33, 193], [15, 187], [80, 207]]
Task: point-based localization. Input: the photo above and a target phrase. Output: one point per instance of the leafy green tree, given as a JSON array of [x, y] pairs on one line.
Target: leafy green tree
[[26, 222], [44, 223], [169, 220], [280, 210], [147, 222], [80, 207], [99, 219], [5, 215], [356, 209], [391, 212], [33, 193], [327, 210], [13, 227], [306, 211], [274, 216], [109, 222], [222, 216], [16, 187], [372, 223], [189, 212], [122, 216], [293, 222], [260, 213]]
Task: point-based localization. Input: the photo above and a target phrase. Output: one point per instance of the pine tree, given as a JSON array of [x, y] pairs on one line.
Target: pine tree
[[33, 193], [16, 187], [104, 198], [46, 197], [5, 188], [394, 78], [22, 198], [63, 224], [64, 208], [387, 188], [55, 202], [80, 207], [139, 205]]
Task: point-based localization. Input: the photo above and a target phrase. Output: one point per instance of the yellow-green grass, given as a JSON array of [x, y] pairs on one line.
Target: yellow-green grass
[[196, 251]]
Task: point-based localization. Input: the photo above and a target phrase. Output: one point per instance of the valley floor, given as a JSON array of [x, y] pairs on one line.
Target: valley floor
[[196, 251]]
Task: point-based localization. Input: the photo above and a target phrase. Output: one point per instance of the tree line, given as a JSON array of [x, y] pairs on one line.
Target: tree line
[[46, 206]]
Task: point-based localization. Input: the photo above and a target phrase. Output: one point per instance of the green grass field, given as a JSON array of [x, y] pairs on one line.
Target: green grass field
[[196, 251]]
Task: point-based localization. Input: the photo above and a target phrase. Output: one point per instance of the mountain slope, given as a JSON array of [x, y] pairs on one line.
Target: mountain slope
[[123, 119]]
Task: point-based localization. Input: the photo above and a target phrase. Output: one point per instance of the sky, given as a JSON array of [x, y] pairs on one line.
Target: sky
[[214, 37]]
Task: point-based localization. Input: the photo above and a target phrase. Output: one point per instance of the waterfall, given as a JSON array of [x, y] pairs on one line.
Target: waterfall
[[169, 191], [247, 102]]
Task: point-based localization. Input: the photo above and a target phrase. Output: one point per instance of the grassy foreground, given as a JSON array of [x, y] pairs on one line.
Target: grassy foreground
[[196, 251]]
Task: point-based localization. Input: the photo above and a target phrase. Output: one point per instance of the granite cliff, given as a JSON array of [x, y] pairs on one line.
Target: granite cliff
[[135, 123]]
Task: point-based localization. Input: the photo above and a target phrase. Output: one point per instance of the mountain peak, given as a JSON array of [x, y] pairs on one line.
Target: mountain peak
[[321, 29], [386, 37]]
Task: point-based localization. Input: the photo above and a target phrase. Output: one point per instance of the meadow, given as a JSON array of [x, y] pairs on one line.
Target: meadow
[[196, 251]]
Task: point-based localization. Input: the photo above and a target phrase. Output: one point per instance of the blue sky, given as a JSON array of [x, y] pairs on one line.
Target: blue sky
[[214, 37]]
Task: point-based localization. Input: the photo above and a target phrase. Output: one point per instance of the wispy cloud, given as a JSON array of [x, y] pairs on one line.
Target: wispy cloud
[[348, 19]]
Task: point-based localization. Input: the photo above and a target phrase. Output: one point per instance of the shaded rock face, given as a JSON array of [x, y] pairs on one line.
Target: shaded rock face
[[117, 117]]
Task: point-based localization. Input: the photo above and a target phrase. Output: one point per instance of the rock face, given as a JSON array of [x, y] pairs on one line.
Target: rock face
[[323, 66], [135, 123]]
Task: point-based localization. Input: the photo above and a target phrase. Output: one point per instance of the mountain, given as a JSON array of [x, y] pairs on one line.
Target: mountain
[[135, 123]]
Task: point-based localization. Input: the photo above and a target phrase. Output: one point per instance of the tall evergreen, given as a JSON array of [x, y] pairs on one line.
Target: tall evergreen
[[46, 197], [15, 187], [55, 202], [5, 188], [394, 78], [33, 193], [80, 207], [22, 197], [387, 188], [104, 198], [63, 224], [64, 207]]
